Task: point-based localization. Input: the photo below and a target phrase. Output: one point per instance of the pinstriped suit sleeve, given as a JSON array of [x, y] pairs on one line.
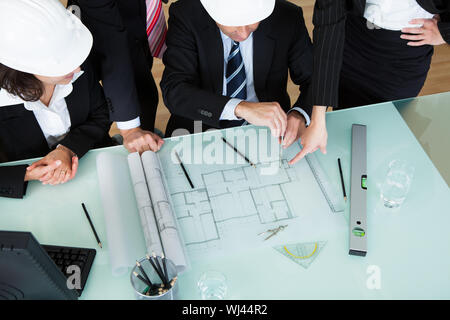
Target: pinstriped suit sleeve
[[328, 46]]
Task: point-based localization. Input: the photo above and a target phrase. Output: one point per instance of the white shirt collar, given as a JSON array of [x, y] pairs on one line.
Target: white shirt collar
[[226, 38]]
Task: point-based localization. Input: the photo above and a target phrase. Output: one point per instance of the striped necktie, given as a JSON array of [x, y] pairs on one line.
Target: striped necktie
[[156, 27], [235, 75], [236, 82]]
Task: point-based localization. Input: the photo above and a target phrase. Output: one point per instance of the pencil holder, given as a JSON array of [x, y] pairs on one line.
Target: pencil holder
[[154, 278]]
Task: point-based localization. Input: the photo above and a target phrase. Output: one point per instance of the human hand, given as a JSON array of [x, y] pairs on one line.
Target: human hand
[[296, 125], [315, 136], [138, 140], [427, 34], [38, 172], [267, 114], [62, 172]]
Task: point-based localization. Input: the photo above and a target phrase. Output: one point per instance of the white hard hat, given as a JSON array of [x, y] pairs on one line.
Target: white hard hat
[[41, 37], [238, 12]]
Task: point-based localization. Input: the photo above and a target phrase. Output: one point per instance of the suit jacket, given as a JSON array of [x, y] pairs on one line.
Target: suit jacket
[[329, 38], [116, 27], [22, 138], [192, 81]]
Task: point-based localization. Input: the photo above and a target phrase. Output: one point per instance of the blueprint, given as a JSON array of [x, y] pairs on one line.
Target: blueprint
[[230, 204], [232, 201]]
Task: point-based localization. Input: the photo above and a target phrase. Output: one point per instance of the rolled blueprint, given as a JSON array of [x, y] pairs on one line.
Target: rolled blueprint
[[168, 231], [123, 228], [144, 203]]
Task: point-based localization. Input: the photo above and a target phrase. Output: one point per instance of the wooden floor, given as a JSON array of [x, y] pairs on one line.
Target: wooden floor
[[438, 77]]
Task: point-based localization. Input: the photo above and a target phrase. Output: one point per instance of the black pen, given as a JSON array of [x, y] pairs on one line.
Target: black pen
[[342, 179], [92, 225], [238, 152], [184, 170]]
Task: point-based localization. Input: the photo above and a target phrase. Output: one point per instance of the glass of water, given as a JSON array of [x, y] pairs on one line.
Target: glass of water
[[212, 285], [397, 183]]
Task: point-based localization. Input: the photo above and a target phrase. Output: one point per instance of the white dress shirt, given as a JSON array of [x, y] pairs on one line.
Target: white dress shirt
[[246, 48], [394, 14], [131, 124], [53, 120]]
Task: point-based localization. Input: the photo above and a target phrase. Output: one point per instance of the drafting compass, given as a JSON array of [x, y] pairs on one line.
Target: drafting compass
[[273, 231]]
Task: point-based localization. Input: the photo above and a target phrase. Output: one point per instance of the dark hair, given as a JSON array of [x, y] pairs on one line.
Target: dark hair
[[24, 85]]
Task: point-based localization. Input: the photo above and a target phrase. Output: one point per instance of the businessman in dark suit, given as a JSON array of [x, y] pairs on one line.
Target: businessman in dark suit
[[123, 62], [227, 63]]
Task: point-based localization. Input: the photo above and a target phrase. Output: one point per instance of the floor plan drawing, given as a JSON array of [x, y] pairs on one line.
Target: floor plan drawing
[[232, 196], [230, 203]]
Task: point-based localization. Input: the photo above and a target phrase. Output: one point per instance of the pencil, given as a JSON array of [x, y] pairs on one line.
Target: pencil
[[184, 170], [173, 281], [92, 225], [155, 268], [238, 152], [164, 280], [137, 275], [342, 179], [143, 273], [281, 151], [165, 267]]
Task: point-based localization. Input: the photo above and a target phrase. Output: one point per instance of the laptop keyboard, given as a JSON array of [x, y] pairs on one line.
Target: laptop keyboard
[[68, 256]]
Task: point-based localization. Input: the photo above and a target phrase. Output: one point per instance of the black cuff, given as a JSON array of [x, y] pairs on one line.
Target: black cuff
[[12, 184]]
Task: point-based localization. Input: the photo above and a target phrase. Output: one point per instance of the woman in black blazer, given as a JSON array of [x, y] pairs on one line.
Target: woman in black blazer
[[358, 63], [343, 38], [52, 108]]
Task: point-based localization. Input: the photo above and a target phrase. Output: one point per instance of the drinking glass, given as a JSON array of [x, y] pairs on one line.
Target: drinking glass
[[212, 285], [397, 183]]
